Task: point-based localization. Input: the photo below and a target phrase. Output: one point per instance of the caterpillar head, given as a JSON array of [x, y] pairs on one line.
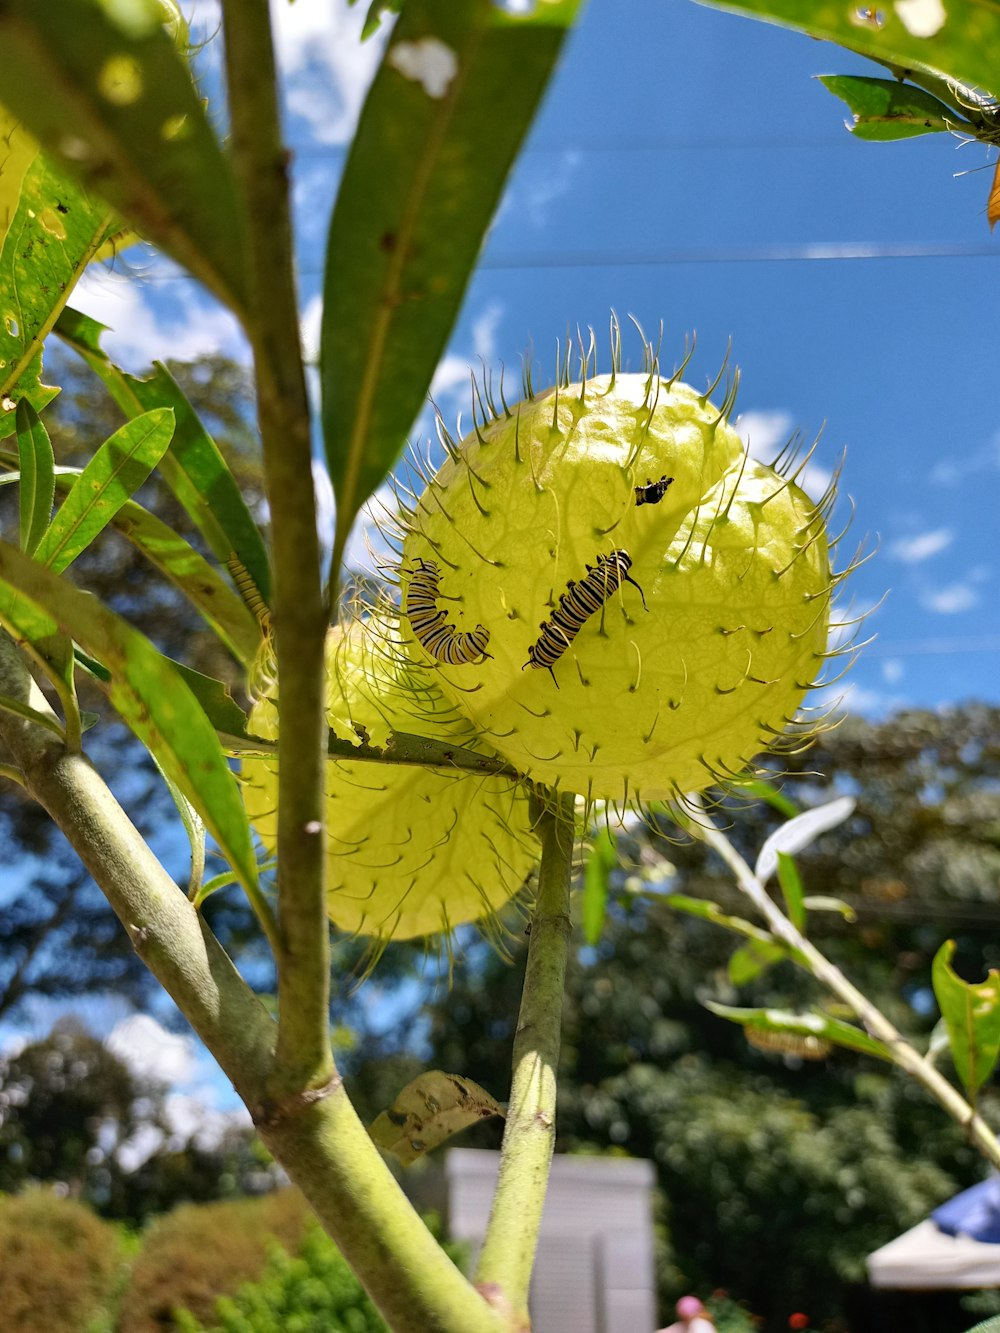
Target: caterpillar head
[[651, 604], [411, 851]]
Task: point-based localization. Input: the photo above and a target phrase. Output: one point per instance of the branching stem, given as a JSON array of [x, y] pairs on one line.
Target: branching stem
[[907, 1057], [508, 1252]]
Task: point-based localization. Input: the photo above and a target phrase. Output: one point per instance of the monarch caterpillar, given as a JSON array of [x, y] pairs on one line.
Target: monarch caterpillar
[[653, 491], [436, 634], [576, 605], [248, 590]]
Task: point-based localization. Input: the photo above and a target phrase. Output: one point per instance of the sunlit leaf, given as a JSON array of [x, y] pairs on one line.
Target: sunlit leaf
[[430, 1110], [30, 714], [884, 109], [121, 112], [814, 1024], [37, 475], [452, 100], [971, 1011], [709, 911], [193, 467], [149, 694], [602, 857], [750, 960], [792, 890], [821, 902], [50, 230], [797, 834], [113, 475], [960, 40]]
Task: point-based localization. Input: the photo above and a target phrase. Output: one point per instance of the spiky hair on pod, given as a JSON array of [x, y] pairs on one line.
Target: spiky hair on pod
[[411, 851], [652, 603]]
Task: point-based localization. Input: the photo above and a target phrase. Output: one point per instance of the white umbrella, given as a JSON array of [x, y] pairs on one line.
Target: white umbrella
[[957, 1246]]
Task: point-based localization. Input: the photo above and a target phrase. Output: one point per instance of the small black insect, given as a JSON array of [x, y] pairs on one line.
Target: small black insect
[[576, 605], [435, 632], [653, 491]]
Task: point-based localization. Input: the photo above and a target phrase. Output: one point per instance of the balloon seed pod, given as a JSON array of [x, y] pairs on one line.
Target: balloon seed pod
[[620, 600], [411, 851]]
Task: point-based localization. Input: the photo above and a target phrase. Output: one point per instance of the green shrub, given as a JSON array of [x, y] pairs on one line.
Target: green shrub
[[199, 1252], [59, 1264], [314, 1292]]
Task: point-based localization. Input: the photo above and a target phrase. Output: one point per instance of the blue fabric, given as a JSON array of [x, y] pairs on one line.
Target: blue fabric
[[975, 1212]]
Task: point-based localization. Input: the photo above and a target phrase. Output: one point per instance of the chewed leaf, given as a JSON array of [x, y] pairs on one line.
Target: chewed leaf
[[430, 1110], [887, 109], [799, 832], [971, 1011]]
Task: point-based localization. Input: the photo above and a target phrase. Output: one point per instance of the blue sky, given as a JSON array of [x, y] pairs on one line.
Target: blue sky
[[687, 167]]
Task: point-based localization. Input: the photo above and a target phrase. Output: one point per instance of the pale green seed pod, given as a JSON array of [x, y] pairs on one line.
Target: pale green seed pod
[[411, 851], [668, 686]]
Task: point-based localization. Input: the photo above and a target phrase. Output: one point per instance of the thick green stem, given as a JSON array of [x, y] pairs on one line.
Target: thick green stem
[[508, 1253], [907, 1057], [328, 1153], [300, 613], [167, 933]]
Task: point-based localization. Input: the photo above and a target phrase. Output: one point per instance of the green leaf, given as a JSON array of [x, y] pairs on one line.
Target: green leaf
[[37, 464], [194, 827], [991, 1325], [602, 857], [792, 889], [29, 714], [750, 960], [150, 695], [50, 230], [116, 471], [971, 1011], [887, 109], [767, 791], [420, 186], [961, 41], [821, 902], [193, 467], [814, 1024], [217, 703], [429, 1110], [106, 93]]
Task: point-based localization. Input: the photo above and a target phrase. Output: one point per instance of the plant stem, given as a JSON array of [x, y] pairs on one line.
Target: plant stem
[[906, 1056], [168, 934], [508, 1253], [300, 613]]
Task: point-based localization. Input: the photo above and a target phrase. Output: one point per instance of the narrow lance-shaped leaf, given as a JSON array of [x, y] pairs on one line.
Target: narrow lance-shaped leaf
[[113, 475], [454, 97], [972, 1014], [601, 860], [122, 113], [792, 890], [206, 589], [814, 1024], [148, 693], [884, 109], [193, 468], [960, 40], [50, 230], [37, 466], [750, 960]]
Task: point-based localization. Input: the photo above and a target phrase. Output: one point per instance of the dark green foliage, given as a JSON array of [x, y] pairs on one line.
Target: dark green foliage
[[58, 1264], [196, 1254]]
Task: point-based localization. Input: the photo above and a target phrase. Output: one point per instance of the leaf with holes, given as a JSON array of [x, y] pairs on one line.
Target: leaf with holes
[[971, 1011], [430, 1110]]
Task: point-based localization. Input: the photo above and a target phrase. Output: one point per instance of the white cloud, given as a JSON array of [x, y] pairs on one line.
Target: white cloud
[[950, 599], [962, 464], [911, 550], [538, 186], [326, 66], [152, 1052], [309, 324], [144, 329], [765, 434], [893, 671]]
